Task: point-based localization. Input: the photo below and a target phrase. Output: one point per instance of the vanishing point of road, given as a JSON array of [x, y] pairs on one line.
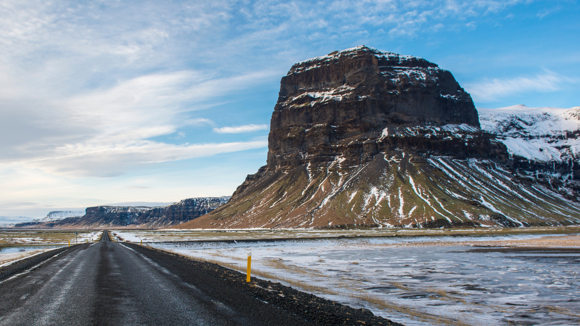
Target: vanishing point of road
[[112, 283]]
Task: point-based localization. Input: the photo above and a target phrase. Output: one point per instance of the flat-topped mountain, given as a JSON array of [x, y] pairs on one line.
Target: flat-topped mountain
[[329, 105], [367, 138]]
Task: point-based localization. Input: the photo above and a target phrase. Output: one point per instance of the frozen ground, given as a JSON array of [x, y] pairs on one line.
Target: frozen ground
[[419, 280]]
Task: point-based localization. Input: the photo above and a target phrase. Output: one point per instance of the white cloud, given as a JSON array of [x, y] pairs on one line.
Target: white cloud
[[492, 90], [104, 132], [198, 122], [240, 129], [104, 160]]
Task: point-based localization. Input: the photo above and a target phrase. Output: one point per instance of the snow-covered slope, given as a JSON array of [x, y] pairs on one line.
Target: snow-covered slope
[[536, 134], [59, 215]]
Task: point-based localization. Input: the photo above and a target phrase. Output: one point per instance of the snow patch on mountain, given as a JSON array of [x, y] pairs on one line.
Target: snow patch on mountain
[[537, 134], [59, 215], [351, 52]]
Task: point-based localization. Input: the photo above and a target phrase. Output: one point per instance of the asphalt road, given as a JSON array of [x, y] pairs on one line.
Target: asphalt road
[[111, 283]]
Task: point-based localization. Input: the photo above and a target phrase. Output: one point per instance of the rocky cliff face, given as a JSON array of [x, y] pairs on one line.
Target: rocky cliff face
[[139, 216], [340, 104], [368, 138]]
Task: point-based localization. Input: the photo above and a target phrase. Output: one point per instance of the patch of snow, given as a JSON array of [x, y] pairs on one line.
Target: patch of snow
[[349, 52], [351, 197], [537, 134], [59, 215]]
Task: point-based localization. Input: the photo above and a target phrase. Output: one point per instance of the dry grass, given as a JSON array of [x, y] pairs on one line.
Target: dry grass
[[278, 264], [37, 237], [548, 241], [562, 311]]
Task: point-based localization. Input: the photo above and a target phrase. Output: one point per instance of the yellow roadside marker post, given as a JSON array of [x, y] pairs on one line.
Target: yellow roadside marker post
[[141, 242], [248, 276], [69, 242]]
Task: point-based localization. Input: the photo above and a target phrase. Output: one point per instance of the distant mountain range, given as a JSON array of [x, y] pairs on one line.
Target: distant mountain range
[[130, 216], [365, 138]]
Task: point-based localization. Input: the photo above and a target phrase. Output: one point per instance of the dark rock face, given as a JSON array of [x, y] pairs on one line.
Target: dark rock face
[[140, 216], [329, 105], [180, 212]]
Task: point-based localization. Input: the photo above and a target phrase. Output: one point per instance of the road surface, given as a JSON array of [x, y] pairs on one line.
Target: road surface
[[112, 283]]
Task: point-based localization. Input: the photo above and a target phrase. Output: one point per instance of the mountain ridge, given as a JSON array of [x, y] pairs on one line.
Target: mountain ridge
[[135, 216]]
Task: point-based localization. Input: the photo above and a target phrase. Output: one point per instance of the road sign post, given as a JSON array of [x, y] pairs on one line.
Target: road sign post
[[248, 275]]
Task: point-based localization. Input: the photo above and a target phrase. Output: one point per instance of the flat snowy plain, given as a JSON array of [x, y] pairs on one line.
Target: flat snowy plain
[[414, 280]]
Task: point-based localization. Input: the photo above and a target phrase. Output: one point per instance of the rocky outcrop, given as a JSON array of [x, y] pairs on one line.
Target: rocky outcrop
[[342, 103], [138, 216], [367, 138]]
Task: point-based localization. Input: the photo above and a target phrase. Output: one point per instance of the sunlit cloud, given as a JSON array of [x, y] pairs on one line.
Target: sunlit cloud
[[96, 160], [495, 89], [198, 122], [240, 129], [116, 123]]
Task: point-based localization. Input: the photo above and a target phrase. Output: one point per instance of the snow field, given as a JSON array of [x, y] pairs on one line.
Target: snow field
[[537, 134]]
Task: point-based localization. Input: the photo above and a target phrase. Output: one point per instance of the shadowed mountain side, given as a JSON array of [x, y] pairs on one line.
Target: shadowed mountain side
[[398, 189]]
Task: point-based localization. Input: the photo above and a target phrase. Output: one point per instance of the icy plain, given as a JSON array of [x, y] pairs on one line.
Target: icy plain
[[418, 280]]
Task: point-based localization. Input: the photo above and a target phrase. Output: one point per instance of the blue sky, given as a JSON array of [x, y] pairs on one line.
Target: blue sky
[[133, 101]]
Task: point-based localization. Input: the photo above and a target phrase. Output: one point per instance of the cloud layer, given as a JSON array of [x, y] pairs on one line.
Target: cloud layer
[[495, 89], [240, 129], [86, 86]]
